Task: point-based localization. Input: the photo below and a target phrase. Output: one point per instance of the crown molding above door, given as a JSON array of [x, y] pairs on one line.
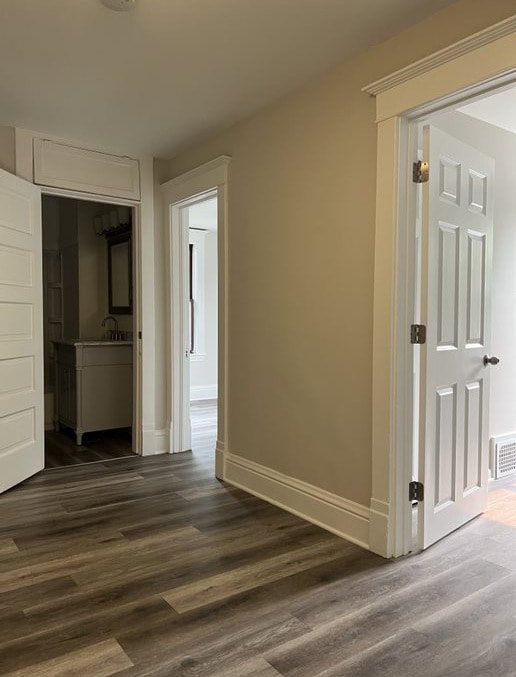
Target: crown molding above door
[[427, 63]]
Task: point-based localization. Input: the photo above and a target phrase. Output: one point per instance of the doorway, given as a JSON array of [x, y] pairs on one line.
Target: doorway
[[462, 291], [195, 321], [208, 181], [201, 219], [88, 330]]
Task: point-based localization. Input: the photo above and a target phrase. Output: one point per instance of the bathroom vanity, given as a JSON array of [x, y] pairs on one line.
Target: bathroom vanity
[[94, 385]]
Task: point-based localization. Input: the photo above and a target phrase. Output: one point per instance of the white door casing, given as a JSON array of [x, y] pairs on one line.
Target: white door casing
[[207, 180], [182, 429], [454, 406], [21, 332]]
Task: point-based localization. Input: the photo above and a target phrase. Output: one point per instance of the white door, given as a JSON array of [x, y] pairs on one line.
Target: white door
[[457, 249], [21, 332]]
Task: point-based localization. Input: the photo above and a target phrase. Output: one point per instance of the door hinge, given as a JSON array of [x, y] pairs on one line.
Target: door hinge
[[139, 334], [416, 491], [420, 171], [417, 333]]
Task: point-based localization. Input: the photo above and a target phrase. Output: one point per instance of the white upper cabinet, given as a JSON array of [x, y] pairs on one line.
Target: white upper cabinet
[[61, 166]]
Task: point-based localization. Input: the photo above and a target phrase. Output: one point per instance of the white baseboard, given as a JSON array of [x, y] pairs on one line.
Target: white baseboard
[[155, 441], [344, 518], [379, 535], [203, 392], [162, 441]]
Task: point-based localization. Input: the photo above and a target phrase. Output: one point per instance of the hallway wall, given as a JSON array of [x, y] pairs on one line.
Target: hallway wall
[[301, 261]]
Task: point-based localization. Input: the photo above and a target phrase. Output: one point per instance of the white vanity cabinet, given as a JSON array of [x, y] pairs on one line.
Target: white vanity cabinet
[[94, 385]]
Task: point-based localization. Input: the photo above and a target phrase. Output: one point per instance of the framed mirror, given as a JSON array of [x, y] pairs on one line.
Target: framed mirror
[[120, 293]]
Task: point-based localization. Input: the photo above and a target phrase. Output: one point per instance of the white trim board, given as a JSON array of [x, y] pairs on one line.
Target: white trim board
[[428, 63], [344, 518]]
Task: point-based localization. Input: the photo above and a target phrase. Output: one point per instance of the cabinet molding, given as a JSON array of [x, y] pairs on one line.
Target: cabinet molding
[[61, 166]]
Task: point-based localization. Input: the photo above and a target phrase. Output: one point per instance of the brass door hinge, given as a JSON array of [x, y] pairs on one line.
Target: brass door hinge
[[420, 171]]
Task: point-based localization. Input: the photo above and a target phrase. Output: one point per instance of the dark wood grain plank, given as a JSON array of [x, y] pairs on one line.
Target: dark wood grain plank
[[89, 555]]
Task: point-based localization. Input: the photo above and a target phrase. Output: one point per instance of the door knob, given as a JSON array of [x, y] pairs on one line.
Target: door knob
[[490, 360]]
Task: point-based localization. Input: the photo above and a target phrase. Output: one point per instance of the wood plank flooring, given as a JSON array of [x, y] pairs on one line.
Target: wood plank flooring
[[151, 567], [105, 445]]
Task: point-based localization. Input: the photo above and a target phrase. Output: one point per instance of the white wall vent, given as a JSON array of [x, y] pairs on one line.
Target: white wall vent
[[504, 455]]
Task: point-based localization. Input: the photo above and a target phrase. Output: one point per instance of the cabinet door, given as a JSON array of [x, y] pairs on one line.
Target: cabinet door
[[66, 378]]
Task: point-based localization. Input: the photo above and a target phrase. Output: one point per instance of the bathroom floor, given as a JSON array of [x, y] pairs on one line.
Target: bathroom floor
[[61, 449]]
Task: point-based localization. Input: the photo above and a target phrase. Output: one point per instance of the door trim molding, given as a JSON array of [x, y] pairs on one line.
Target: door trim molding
[[209, 178], [428, 63], [448, 78]]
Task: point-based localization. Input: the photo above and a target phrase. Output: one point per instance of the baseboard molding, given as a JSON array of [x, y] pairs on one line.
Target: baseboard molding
[[155, 441], [220, 453], [344, 518], [380, 536], [203, 392]]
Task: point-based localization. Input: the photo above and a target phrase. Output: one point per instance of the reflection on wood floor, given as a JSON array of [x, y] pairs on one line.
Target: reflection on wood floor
[[61, 449], [151, 567]]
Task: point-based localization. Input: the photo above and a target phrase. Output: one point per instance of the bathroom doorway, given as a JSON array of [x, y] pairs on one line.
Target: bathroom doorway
[[88, 330]]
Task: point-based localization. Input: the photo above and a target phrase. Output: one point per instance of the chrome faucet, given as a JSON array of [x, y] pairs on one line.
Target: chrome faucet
[[114, 335]]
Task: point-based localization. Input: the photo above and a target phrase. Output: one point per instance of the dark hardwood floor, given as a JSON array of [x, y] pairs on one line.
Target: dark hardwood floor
[[61, 449], [150, 566]]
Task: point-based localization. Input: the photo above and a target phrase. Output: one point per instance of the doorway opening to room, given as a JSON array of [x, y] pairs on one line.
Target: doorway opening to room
[[463, 292], [88, 315], [195, 322], [199, 194], [201, 218]]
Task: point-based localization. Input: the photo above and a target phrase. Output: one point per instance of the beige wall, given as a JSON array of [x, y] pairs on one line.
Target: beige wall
[[93, 279], [301, 246]]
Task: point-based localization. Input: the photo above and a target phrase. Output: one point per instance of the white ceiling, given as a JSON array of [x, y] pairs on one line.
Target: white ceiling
[[155, 79], [498, 109]]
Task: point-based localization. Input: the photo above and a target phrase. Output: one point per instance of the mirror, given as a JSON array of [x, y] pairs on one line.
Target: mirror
[[119, 274]]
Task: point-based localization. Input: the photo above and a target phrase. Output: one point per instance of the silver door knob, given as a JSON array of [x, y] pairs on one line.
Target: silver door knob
[[490, 360]]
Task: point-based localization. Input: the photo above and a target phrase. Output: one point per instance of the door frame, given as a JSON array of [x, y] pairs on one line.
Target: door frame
[[207, 180], [470, 68], [137, 427]]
